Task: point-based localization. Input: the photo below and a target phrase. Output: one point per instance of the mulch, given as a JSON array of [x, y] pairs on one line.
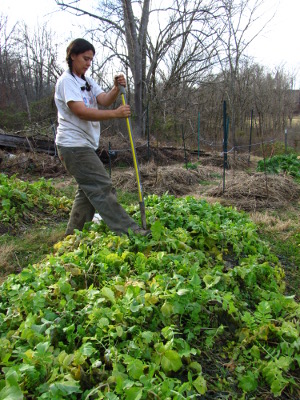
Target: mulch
[[172, 179], [167, 172], [257, 191]]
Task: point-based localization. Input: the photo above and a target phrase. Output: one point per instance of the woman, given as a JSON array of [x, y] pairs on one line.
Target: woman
[[77, 98]]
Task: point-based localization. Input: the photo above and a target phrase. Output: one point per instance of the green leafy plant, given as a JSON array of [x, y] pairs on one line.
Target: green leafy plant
[[289, 164], [26, 202], [190, 165], [199, 308]]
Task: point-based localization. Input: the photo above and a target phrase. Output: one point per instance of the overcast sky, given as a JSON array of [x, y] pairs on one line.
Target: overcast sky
[[276, 46]]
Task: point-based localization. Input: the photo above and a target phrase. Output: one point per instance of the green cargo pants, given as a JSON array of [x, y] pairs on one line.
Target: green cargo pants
[[94, 192]]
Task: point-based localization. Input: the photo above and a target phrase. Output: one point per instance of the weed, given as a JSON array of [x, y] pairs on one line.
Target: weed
[[190, 165], [205, 183]]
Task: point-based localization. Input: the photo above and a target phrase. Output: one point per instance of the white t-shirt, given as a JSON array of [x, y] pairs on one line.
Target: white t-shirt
[[73, 131]]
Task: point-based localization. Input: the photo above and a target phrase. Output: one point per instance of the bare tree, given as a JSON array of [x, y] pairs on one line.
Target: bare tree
[[240, 16], [28, 69], [143, 38], [7, 61], [38, 53]]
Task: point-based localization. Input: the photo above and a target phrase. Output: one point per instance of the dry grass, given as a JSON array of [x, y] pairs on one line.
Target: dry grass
[[28, 247], [246, 191], [26, 164], [257, 191], [172, 179], [8, 259], [272, 223], [240, 161]]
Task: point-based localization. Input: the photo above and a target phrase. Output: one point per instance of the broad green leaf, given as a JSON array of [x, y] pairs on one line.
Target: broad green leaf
[[6, 203], [289, 331], [278, 385], [210, 280], [119, 331], [255, 352], [147, 336], [111, 396], [166, 309], [195, 366], [284, 363], [248, 382], [108, 294], [65, 388], [12, 390], [134, 393], [135, 369], [11, 393], [68, 360], [103, 322], [42, 347], [87, 349], [171, 361], [135, 306], [200, 384], [157, 229]]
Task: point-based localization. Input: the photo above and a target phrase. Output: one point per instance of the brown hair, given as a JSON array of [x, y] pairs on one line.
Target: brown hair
[[78, 46]]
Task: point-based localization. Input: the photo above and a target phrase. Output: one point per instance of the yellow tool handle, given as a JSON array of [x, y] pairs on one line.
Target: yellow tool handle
[[133, 152], [141, 201]]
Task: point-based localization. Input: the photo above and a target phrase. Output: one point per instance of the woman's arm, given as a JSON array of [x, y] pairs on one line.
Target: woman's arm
[[106, 99], [92, 114]]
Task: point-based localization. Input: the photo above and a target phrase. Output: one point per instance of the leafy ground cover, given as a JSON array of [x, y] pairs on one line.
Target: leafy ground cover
[[285, 163], [197, 310], [24, 202], [29, 246], [32, 219], [281, 229]]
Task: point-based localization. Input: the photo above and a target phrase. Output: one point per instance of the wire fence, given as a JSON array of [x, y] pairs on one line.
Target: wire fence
[[196, 143], [250, 148]]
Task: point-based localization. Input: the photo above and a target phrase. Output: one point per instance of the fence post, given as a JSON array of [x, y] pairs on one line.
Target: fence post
[[225, 142], [185, 157], [250, 136], [285, 140], [198, 135]]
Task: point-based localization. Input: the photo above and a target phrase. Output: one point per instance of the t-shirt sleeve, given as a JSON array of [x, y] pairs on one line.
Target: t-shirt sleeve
[[69, 91], [95, 87]]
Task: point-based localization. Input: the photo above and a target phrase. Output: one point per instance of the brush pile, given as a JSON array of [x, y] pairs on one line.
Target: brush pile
[[30, 164], [176, 180], [240, 161], [257, 191]]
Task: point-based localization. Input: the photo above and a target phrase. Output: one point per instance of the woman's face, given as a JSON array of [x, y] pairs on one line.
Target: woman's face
[[81, 62]]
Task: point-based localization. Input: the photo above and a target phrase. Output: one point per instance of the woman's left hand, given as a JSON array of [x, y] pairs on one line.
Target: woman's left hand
[[119, 80]]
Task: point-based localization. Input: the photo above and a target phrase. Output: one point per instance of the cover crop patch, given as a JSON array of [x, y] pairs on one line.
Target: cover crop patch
[[196, 310], [287, 163], [26, 202]]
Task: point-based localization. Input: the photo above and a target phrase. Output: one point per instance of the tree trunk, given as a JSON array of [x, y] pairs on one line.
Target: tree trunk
[[136, 44]]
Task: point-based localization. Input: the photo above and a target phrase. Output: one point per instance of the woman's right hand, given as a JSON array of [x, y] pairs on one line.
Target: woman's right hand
[[123, 111]]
